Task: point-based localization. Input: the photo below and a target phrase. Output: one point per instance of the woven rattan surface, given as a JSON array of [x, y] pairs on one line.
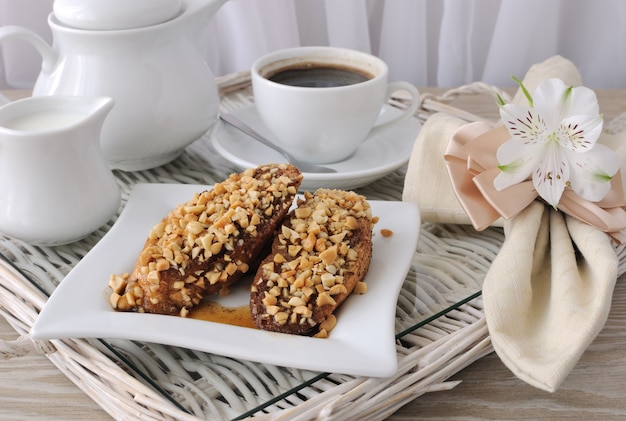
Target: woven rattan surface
[[439, 320]]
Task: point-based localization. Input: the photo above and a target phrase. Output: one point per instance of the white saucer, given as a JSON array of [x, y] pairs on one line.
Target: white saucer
[[377, 156]]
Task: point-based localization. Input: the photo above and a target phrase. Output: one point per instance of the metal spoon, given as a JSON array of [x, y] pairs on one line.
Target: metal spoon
[[302, 166]]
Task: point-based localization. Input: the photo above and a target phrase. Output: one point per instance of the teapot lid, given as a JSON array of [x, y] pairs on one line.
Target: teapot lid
[[115, 14]]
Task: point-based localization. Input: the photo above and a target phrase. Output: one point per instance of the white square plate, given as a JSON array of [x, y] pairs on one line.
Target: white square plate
[[362, 343]]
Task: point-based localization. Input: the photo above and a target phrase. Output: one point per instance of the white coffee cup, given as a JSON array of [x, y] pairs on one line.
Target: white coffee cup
[[324, 124]]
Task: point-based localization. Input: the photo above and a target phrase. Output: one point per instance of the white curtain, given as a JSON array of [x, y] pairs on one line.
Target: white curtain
[[427, 42]]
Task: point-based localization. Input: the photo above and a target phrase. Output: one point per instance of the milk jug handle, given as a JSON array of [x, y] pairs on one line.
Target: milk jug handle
[[48, 55]]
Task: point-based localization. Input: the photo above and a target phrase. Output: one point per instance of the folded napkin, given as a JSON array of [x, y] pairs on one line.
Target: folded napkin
[[548, 292]]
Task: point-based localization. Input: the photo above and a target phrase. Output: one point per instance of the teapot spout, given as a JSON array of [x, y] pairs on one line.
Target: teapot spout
[[199, 13], [207, 8]]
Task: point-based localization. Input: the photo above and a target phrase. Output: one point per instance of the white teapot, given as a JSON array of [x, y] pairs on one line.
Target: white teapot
[[145, 54]]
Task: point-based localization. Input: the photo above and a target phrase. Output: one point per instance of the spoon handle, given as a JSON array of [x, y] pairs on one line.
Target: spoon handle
[[302, 166]]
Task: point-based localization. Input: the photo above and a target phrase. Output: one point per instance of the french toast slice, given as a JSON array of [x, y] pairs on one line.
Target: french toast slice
[[321, 253], [203, 246]]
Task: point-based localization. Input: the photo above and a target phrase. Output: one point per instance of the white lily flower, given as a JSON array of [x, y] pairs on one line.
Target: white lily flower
[[553, 139]]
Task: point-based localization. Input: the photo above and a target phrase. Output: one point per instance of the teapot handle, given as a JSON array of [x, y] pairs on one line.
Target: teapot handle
[[48, 55]]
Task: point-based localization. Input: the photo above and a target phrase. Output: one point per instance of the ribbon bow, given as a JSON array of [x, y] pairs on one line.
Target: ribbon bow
[[472, 166]]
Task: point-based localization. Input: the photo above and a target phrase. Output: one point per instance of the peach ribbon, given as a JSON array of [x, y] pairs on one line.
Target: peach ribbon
[[472, 165]]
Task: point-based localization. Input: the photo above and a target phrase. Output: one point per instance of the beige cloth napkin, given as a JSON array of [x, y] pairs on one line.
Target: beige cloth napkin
[[548, 292]]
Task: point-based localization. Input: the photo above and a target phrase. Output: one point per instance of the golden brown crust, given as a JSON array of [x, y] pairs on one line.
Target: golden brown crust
[[202, 247], [322, 251]]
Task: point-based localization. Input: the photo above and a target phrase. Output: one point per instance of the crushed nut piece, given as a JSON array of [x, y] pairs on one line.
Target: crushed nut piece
[[360, 288], [386, 232]]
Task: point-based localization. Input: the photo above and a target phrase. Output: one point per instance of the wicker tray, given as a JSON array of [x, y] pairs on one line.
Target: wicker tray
[[440, 324]]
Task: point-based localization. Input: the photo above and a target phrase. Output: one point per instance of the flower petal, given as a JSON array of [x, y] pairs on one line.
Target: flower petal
[[592, 172], [583, 101], [517, 160], [552, 174], [549, 101], [524, 123], [579, 133]]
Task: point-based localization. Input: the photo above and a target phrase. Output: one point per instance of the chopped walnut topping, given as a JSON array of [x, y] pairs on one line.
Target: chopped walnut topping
[[313, 257]]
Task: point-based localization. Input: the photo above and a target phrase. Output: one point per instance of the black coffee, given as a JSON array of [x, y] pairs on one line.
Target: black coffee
[[318, 77]]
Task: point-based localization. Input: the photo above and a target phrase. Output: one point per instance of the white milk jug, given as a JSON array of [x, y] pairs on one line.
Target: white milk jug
[[55, 186]]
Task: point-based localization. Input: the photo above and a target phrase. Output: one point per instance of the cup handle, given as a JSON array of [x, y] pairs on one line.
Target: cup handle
[[408, 112]]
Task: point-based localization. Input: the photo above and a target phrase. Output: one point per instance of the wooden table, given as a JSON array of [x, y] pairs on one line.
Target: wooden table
[[32, 388]]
